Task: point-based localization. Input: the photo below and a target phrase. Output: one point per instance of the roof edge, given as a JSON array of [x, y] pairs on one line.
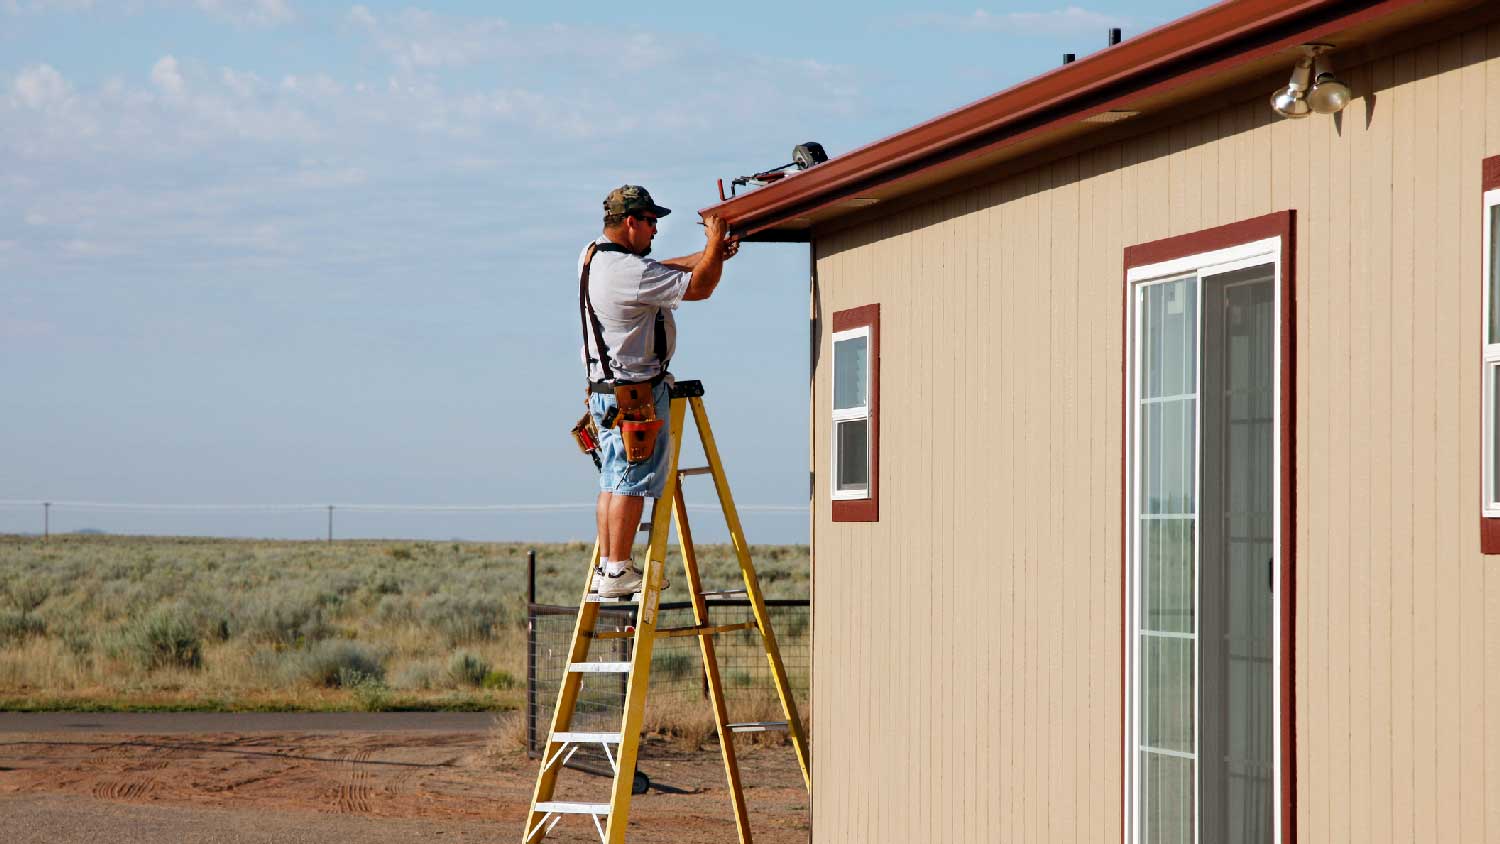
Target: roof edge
[[1060, 96]]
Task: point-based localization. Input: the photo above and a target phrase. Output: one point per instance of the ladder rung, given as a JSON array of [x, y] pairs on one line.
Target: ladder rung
[[704, 629], [632, 598], [723, 593], [696, 470], [600, 667], [757, 727], [587, 738], [563, 808]]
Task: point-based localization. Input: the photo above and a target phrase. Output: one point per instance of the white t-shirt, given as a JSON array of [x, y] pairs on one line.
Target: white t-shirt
[[627, 291]]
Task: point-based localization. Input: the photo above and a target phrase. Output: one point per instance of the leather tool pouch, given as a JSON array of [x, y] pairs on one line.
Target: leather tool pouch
[[638, 423]]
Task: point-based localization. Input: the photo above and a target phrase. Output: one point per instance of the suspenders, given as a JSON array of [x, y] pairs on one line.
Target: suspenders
[[587, 317]]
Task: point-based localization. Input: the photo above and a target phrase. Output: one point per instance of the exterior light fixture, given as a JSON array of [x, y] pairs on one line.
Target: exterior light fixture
[[1312, 88]]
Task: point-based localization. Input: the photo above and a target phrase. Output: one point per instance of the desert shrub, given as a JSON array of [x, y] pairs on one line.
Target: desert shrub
[[77, 639], [370, 694], [500, 680], [674, 663], [26, 593], [466, 669], [15, 626], [285, 619], [335, 663], [401, 553], [463, 618], [386, 584], [166, 638], [396, 609], [419, 676]]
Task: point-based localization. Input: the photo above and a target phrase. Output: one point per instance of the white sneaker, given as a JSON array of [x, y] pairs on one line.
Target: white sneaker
[[624, 584], [598, 580]]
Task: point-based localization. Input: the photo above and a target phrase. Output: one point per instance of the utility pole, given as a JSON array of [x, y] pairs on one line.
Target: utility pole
[[330, 523], [46, 520]]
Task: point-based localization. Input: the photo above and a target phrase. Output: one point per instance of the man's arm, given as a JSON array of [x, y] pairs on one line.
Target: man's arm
[[709, 265], [686, 262]]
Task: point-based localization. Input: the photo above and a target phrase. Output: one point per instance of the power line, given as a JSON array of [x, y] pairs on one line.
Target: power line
[[123, 506]]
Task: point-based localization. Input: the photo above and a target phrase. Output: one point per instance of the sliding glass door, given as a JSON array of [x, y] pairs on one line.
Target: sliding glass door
[[1203, 470]]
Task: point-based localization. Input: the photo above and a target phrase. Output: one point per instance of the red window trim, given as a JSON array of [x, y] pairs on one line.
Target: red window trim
[[864, 509], [1489, 529], [1282, 224]]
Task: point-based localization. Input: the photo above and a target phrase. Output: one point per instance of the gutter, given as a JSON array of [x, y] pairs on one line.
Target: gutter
[[1206, 42]]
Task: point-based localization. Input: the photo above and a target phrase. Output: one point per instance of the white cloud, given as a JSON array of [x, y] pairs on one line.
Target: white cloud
[[42, 7], [416, 39], [167, 77], [261, 13], [243, 84], [1065, 21], [41, 86]]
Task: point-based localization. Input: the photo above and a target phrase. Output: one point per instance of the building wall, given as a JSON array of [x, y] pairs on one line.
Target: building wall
[[967, 647]]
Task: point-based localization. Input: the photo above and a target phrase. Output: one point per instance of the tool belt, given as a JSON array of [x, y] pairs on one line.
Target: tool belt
[[637, 421]]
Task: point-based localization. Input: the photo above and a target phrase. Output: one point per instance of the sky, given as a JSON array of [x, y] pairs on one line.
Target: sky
[[257, 254]]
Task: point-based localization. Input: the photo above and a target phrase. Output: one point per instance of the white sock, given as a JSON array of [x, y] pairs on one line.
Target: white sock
[[614, 567], [603, 563]]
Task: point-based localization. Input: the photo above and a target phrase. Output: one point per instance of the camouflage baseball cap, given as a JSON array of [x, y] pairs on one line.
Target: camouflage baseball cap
[[627, 199]]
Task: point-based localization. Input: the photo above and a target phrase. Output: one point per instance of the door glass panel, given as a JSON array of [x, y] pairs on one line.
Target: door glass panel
[[1236, 604], [1166, 531], [850, 372]]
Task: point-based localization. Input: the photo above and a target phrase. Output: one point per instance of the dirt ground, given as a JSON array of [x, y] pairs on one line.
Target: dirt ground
[[357, 786]]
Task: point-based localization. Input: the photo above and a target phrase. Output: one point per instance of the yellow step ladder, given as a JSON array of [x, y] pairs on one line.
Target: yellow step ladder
[[610, 817]]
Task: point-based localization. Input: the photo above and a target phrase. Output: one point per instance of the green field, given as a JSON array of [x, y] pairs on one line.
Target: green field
[[111, 622]]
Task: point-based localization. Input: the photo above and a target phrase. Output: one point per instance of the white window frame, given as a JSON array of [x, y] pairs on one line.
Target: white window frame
[[1490, 506], [850, 414], [1202, 265]]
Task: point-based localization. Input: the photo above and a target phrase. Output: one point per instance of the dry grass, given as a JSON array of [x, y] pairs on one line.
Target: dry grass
[[132, 622]]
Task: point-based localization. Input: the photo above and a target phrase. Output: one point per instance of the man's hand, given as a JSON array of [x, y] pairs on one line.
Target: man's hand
[[713, 229]]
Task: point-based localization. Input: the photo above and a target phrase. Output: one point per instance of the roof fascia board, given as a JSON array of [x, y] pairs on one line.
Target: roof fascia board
[[1199, 45]]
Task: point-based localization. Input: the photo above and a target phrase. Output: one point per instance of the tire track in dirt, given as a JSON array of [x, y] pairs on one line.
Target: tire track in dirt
[[354, 791], [136, 783]]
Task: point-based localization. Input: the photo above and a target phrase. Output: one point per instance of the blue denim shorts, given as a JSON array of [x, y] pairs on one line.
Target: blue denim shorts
[[620, 476]]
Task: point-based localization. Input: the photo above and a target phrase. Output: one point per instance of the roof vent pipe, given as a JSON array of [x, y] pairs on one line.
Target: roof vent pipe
[[1114, 35], [1069, 58]]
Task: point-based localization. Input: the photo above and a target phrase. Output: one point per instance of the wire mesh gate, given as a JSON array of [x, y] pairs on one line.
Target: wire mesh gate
[[678, 702]]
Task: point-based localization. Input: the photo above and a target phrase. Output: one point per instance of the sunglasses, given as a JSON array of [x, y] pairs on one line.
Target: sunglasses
[[644, 219]]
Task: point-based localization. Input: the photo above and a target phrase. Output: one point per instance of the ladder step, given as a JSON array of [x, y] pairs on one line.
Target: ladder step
[[565, 808], [633, 598], [723, 593], [757, 727], [599, 668], [696, 470], [587, 738], [704, 629]]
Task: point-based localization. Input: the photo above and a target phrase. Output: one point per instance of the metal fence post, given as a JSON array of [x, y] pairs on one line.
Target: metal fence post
[[46, 520], [531, 713], [330, 523]]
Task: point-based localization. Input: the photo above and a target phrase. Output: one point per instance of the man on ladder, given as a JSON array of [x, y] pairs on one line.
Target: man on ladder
[[625, 305], [640, 416]]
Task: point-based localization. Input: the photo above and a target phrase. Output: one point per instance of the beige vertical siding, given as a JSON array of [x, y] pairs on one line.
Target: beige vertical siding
[[968, 645]]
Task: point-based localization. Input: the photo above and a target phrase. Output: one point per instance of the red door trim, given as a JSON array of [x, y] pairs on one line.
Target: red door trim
[[1282, 224]]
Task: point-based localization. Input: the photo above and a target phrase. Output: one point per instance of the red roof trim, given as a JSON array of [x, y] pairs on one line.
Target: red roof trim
[[1189, 48]]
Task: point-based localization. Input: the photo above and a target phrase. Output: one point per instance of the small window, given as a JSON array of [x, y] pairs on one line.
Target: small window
[[1489, 373], [1491, 355], [851, 414], [854, 461]]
